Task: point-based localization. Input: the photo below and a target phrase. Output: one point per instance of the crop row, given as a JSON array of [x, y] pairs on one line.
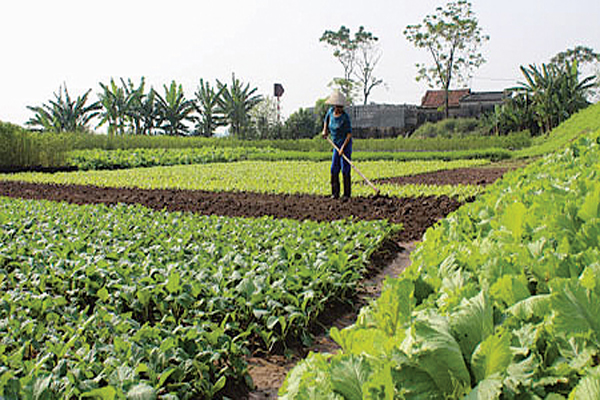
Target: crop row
[[23, 149], [256, 176], [121, 301], [139, 158], [502, 299]]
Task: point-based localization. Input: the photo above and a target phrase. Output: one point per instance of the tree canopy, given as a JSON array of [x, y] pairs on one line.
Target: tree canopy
[[452, 36], [358, 55]]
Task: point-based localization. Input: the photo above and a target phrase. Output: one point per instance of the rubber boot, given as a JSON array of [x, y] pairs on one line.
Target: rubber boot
[[335, 186], [347, 186]]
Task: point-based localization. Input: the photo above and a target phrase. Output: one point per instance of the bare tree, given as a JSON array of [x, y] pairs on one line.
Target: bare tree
[[367, 57]]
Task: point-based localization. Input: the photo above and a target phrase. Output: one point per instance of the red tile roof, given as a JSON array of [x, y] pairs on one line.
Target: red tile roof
[[436, 99]]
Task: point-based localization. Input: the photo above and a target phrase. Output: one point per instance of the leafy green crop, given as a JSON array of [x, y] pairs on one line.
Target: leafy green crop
[[124, 302], [502, 299], [255, 176], [139, 158]]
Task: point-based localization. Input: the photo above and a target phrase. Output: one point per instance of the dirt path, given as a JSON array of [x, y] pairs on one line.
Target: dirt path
[[268, 373], [460, 176]]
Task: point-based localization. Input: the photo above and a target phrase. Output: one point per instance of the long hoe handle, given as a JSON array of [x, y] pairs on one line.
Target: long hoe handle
[[354, 166]]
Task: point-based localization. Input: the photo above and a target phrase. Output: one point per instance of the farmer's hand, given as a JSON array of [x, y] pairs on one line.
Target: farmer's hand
[[341, 151], [324, 134]]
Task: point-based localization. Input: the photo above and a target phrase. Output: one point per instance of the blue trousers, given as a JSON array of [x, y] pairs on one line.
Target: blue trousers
[[338, 161]]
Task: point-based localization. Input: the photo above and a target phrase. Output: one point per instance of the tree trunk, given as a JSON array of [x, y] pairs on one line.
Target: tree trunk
[[446, 102]]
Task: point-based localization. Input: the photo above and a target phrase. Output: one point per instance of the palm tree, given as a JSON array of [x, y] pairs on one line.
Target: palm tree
[[235, 104], [206, 104], [63, 114], [173, 110]]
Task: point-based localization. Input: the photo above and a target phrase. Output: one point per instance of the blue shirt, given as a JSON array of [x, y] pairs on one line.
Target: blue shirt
[[339, 127]]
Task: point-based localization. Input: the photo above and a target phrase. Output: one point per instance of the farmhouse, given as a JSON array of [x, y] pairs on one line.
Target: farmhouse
[[389, 120]]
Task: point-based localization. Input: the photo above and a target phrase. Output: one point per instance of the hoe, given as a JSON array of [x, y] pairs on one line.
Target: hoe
[[354, 166]]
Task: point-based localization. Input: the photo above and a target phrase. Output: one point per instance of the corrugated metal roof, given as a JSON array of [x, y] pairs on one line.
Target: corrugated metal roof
[[484, 97]]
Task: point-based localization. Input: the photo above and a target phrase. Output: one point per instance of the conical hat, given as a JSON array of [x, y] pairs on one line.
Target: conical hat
[[336, 99]]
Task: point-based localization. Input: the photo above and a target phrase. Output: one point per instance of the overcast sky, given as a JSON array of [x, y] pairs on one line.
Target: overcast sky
[[81, 43]]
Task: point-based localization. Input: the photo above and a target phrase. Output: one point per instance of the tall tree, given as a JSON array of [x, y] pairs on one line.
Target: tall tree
[[64, 114], [452, 37], [235, 104], [367, 57], [174, 110], [206, 104], [581, 55], [587, 61], [358, 56], [344, 49]]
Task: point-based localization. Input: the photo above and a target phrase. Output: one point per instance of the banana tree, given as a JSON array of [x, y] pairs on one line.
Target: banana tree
[[148, 113], [206, 104], [555, 92], [174, 110], [114, 107], [235, 104], [134, 99], [64, 114], [121, 106]]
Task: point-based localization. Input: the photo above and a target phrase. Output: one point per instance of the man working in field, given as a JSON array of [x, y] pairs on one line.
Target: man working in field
[[337, 122]]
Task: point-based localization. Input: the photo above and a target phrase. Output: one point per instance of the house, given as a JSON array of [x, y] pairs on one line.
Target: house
[[436, 99], [462, 103], [391, 120], [476, 103]]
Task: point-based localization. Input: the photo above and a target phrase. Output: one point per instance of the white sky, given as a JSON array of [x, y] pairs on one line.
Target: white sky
[[45, 43]]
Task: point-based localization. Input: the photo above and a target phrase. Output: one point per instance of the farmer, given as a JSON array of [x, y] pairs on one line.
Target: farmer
[[337, 122]]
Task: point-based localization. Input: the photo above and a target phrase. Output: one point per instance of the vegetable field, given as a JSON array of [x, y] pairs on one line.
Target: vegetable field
[[281, 177], [159, 273], [99, 300], [501, 300]]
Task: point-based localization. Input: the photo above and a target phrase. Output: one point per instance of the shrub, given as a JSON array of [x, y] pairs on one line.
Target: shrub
[[301, 124], [451, 127]]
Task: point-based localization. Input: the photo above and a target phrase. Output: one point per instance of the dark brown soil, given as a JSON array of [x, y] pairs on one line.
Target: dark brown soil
[[50, 170], [415, 214], [460, 176]]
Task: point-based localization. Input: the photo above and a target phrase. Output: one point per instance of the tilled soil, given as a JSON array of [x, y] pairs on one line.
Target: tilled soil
[[459, 176], [416, 214]]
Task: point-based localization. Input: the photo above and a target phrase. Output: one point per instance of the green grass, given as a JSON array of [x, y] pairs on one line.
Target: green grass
[[581, 124]]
